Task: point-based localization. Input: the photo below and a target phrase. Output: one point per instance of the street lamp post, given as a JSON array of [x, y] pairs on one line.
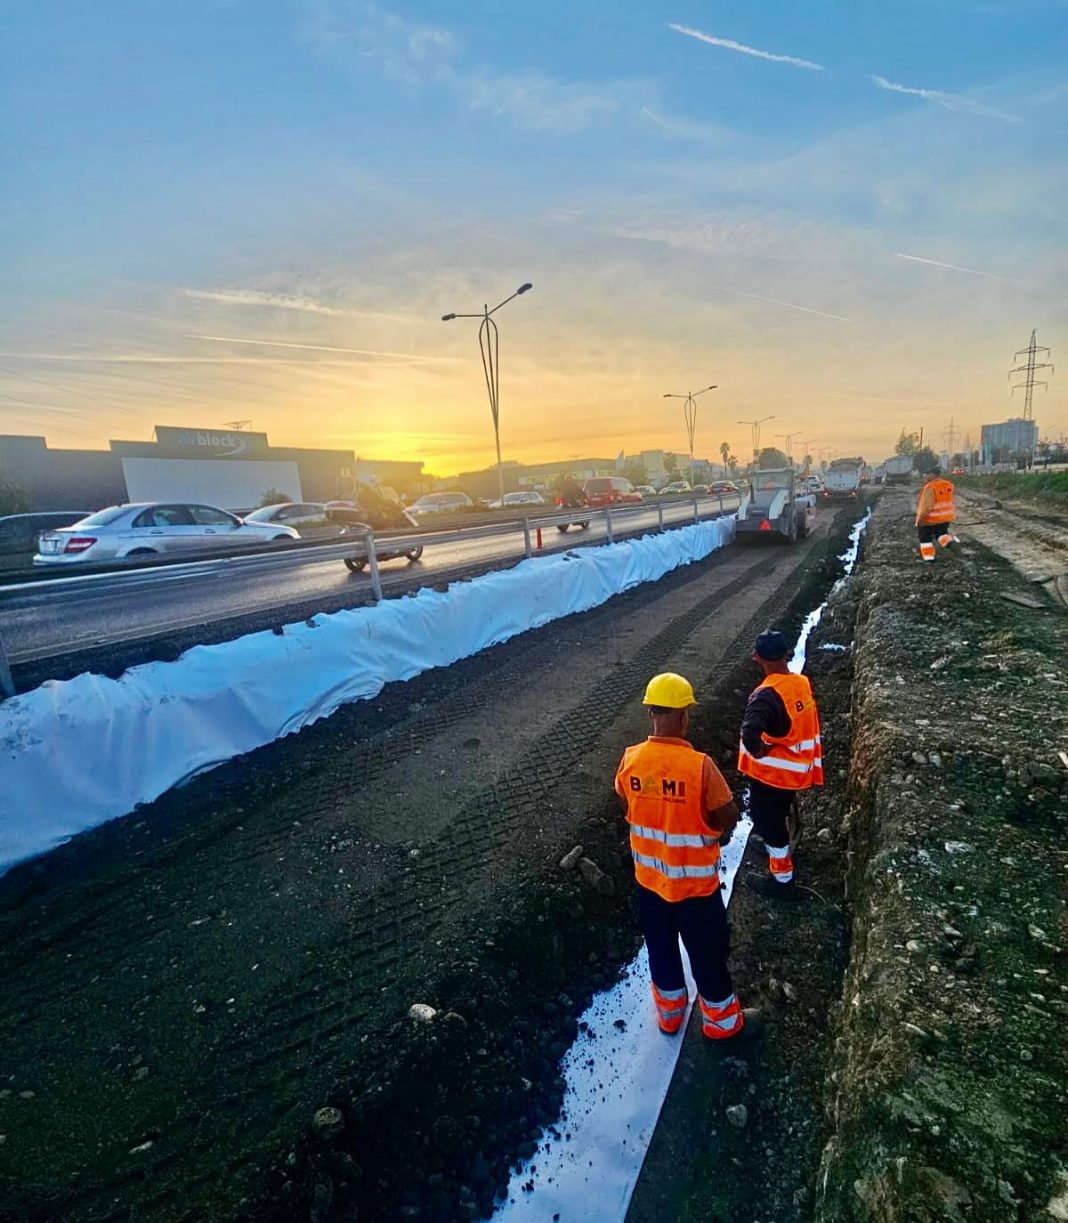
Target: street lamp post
[[788, 442], [806, 445], [489, 346], [689, 411], [756, 432]]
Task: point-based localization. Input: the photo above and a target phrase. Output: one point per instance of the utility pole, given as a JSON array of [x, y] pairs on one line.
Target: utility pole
[[755, 425], [1029, 369]]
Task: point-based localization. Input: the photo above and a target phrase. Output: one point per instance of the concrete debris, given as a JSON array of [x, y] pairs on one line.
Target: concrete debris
[[738, 1116], [595, 878], [1010, 596], [825, 835], [419, 1012], [570, 860], [959, 847], [790, 991], [1037, 933]]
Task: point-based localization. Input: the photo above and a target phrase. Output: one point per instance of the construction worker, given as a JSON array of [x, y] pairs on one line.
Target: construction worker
[[934, 513], [679, 807], [781, 754]]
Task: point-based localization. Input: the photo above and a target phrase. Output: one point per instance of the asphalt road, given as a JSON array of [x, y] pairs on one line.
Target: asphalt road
[[47, 621]]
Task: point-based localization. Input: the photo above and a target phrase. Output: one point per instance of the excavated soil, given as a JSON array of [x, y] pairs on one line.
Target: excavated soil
[[189, 986]]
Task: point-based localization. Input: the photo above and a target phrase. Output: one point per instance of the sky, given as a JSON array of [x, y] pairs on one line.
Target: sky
[[846, 217]]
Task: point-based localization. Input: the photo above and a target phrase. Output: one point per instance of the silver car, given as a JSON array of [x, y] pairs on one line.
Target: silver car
[[289, 513], [151, 529]]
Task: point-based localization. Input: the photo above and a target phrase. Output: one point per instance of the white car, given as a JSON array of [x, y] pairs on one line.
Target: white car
[[513, 499], [441, 503], [677, 486], [153, 528], [289, 513], [646, 490]]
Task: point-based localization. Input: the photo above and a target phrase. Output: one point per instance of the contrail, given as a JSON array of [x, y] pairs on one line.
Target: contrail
[[730, 45], [359, 352], [953, 267], [951, 101], [772, 301]]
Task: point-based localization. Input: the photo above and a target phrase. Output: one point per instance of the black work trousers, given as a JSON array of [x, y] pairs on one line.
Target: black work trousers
[[701, 923], [932, 532], [769, 806]]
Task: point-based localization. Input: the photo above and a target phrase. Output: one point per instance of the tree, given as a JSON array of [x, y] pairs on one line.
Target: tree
[[636, 472], [924, 459], [807, 462], [957, 460], [907, 443], [726, 456], [273, 497], [671, 468], [13, 498]]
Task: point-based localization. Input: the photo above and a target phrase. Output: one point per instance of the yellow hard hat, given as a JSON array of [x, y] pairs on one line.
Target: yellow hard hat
[[670, 691]]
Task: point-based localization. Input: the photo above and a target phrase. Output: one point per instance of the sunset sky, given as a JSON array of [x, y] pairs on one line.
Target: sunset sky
[[846, 216]]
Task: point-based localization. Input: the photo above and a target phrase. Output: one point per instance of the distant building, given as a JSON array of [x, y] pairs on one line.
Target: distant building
[[998, 443], [229, 468], [535, 477]]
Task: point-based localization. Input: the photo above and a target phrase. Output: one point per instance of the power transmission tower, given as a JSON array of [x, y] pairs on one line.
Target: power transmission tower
[[949, 436], [1029, 369]]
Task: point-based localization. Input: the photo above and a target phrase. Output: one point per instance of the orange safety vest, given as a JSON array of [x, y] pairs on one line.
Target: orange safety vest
[[795, 761], [675, 852], [941, 507]]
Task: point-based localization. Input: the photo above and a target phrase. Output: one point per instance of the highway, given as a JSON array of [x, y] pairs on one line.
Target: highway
[[46, 620]]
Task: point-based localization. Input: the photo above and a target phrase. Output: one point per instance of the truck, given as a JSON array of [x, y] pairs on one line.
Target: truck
[[898, 469], [776, 507], [842, 479]]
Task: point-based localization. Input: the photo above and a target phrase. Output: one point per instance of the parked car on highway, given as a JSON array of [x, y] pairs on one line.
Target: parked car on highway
[[19, 533], [676, 486], [610, 490], [441, 503], [514, 499], [720, 487], [152, 529], [289, 513], [646, 490]]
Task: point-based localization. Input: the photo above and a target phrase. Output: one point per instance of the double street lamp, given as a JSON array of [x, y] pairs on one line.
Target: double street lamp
[[689, 411], [756, 432], [489, 347]]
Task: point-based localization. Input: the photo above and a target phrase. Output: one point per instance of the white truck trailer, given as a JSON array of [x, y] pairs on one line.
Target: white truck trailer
[[841, 482], [898, 469]]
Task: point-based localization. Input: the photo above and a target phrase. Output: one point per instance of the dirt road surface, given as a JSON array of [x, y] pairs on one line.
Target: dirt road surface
[[187, 986]]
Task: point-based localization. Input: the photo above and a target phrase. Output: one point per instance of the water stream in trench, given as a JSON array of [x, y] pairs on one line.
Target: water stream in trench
[[618, 1070]]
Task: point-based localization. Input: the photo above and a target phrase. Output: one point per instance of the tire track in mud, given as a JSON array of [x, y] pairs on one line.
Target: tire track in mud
[[299, 1041]]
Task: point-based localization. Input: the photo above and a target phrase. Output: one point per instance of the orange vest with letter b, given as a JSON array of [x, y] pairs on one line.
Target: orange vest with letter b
[[795, 762], [675, 852]]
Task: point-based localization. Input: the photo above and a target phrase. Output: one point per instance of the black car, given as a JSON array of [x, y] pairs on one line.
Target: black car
[[19, 533]]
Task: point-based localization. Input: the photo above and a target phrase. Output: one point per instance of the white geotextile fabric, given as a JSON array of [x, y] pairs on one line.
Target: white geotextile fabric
[[78, 753], [588, 1163]]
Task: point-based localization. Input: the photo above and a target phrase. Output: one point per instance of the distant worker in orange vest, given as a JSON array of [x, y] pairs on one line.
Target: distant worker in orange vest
[[679, 807], [934, 513], [781, 753]]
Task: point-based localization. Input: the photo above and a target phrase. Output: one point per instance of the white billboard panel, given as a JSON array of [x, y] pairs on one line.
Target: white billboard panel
[[229, 483]]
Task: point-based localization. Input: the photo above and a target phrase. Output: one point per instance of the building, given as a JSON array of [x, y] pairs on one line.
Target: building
[[218, 466], [1000, 442]]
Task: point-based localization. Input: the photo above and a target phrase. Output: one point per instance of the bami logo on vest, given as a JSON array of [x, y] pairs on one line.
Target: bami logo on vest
[[665, 788]]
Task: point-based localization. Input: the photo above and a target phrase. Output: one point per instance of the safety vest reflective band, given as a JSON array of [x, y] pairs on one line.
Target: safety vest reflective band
[[720, 1020], [941, 507], [671, 1007], [794, 762], [675, 853]]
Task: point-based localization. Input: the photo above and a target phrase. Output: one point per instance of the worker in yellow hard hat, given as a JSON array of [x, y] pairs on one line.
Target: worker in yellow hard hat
[[679, 807]]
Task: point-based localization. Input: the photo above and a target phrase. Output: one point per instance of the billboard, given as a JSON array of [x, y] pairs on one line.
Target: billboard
[[209, 443]]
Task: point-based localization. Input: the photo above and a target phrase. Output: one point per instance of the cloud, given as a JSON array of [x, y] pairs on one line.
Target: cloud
[[361, 352], [729, 44], [414, 54], [951, 101], [953, 267]]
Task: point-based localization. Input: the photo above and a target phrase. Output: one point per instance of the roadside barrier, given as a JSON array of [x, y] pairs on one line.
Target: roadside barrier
[[78, 753]]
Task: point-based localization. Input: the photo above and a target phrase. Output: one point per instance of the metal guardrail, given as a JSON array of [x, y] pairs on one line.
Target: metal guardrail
[[69, 588]]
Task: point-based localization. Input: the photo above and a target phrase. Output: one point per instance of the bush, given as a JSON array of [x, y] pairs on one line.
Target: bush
[[13, 499], [273, 497]]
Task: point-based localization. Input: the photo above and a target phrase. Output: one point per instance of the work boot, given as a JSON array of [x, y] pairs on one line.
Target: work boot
[[752, 1026], [764, 885]]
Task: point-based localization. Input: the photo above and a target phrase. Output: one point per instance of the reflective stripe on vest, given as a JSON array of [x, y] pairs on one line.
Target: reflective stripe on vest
[[941, 507], [795, 762], [675, 853]]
